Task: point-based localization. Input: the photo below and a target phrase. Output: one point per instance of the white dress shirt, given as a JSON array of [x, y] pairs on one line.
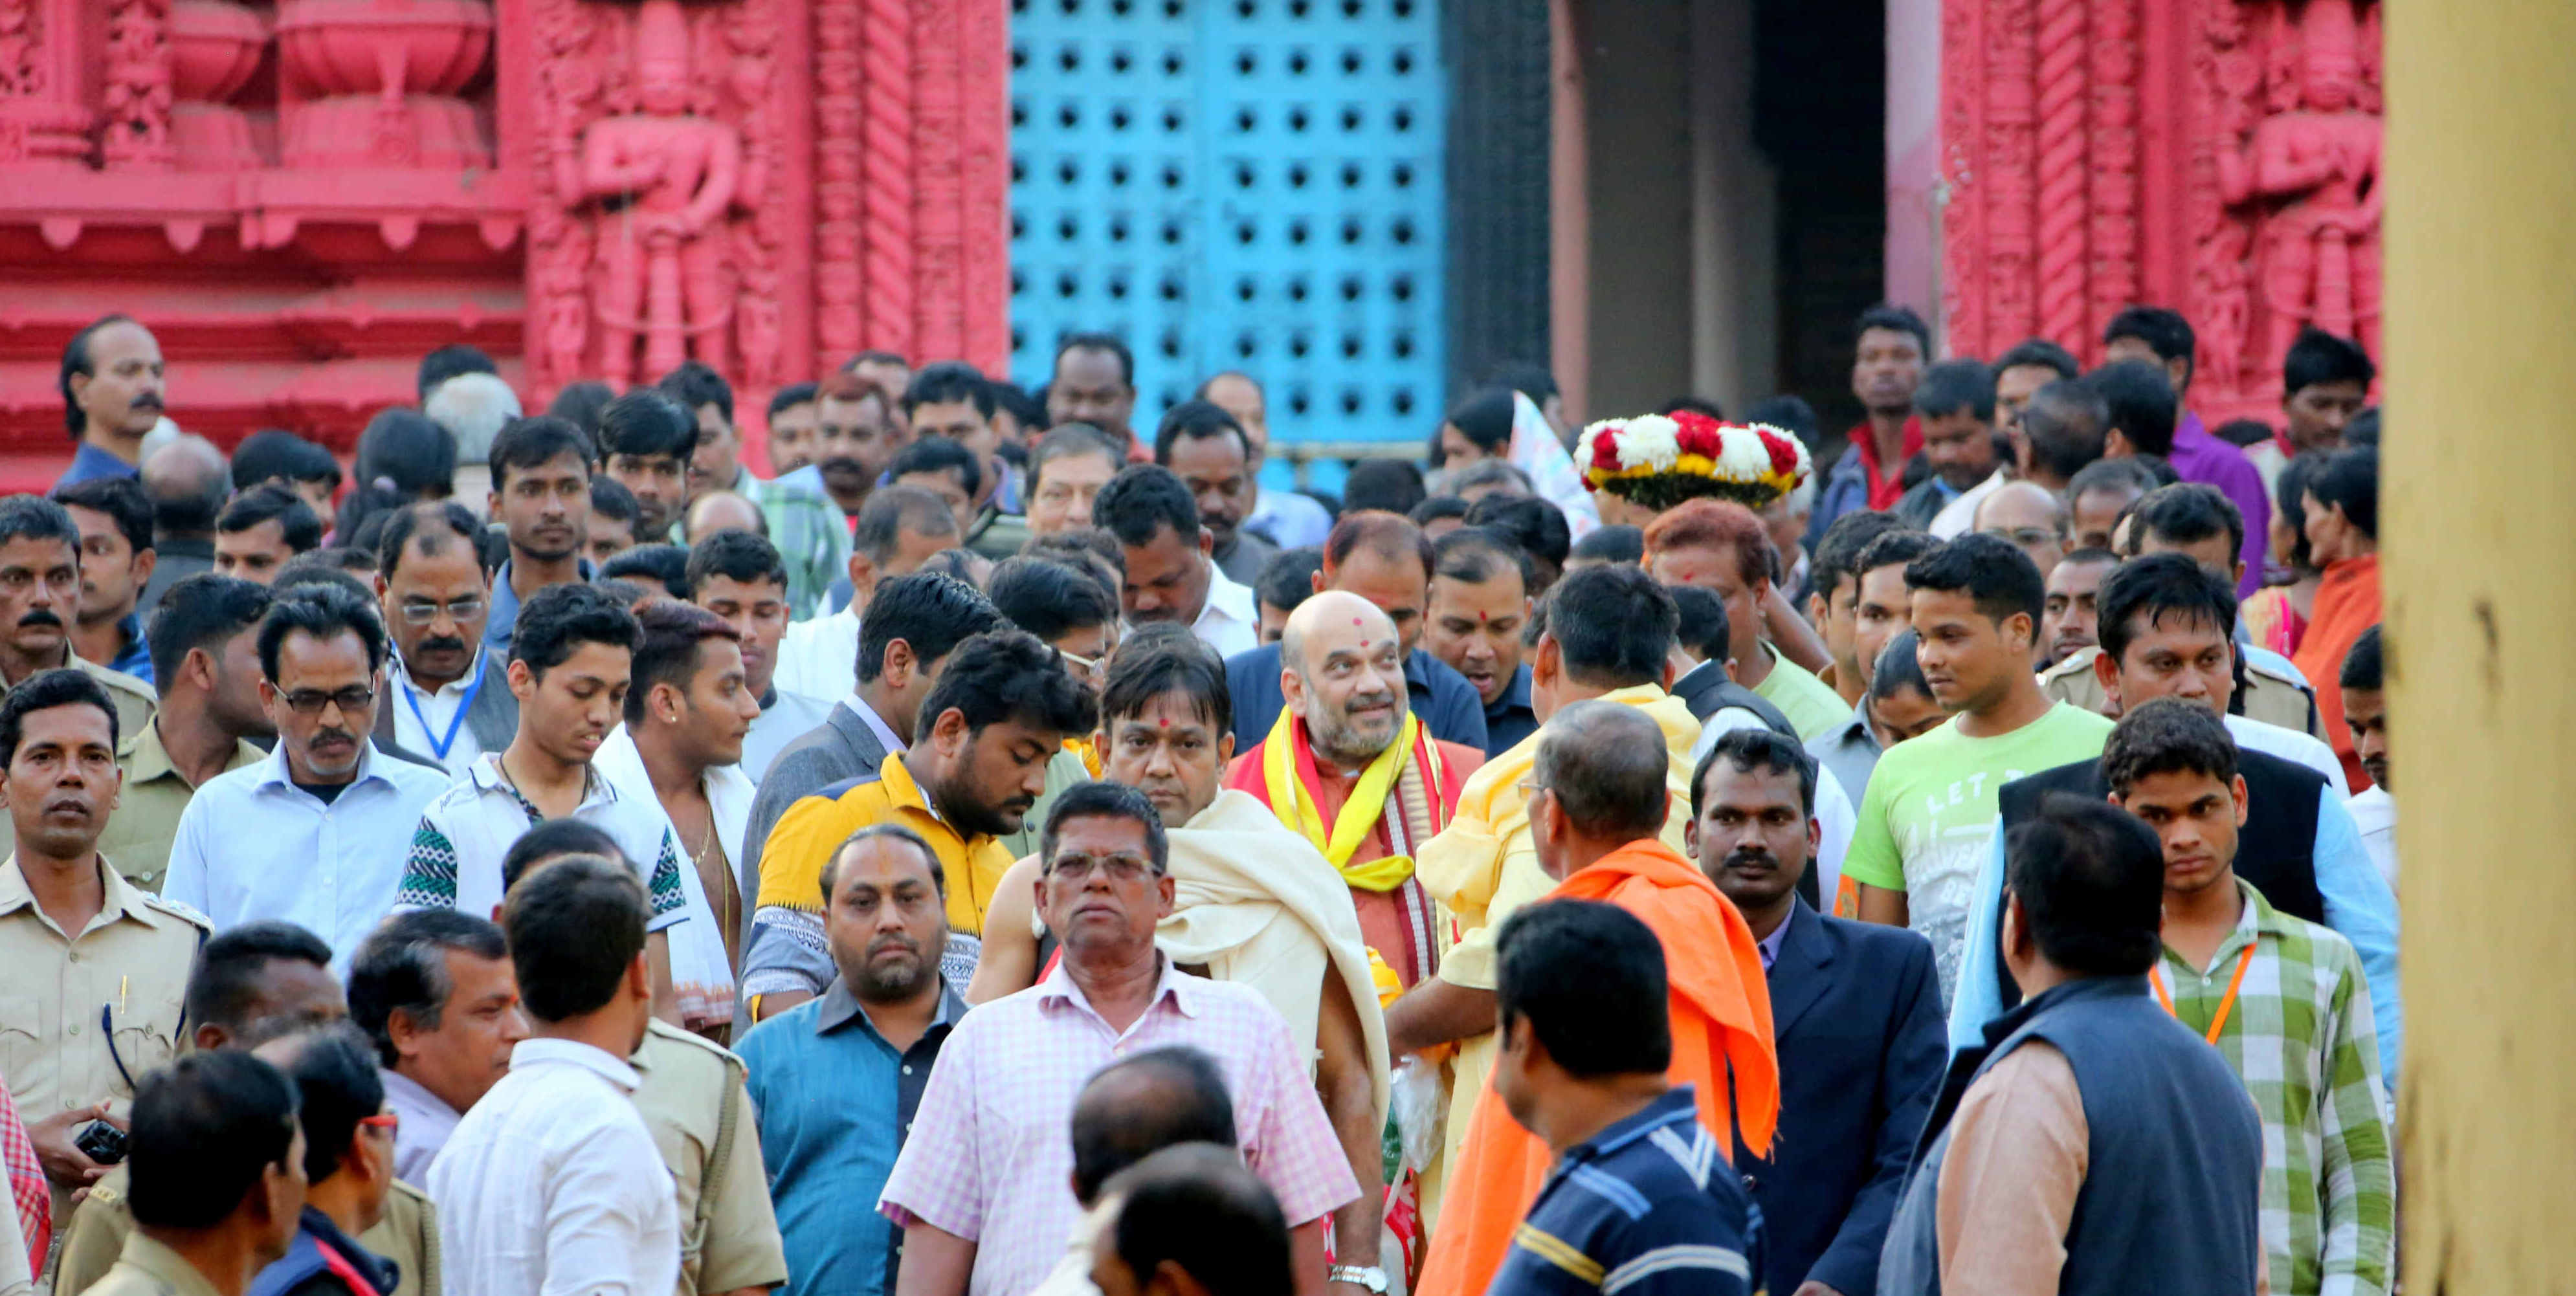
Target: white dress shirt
[[876, 724], [788, 717], [427, 1123], [252, 846], [422, 719], [1959, 516], [2375, 813], [698, 958], [819, 658], [1230, 620], [551, 1186]]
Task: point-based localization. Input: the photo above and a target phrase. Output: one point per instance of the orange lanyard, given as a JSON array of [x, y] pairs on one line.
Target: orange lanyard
[[2219, 1022]]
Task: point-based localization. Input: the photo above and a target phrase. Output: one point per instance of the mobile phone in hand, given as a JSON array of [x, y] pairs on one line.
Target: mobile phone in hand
[[101, 1142]]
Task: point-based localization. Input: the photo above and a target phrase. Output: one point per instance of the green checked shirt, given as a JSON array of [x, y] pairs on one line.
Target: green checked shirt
[[812, 537], [2301, 1038]]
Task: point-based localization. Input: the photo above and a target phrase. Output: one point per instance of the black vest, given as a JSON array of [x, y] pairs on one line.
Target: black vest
[[2275, 850]]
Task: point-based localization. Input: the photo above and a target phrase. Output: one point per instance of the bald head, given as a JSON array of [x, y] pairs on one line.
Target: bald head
[[187, 481], [1134, 1108], [1332, 622], [1341, 670], [723, 511], [1606, 765], [2030, 516]]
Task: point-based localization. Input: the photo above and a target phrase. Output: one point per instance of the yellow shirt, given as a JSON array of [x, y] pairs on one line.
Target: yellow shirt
[[812, 830]]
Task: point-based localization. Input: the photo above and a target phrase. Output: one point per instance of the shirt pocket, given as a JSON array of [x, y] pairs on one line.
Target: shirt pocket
[[145, 1038], [22, 1038]]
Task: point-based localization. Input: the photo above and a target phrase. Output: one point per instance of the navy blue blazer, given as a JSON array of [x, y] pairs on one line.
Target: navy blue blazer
[[1856, 1017]]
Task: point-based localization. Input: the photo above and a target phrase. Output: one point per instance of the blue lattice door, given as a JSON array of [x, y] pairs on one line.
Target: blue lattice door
[[1235, 184]]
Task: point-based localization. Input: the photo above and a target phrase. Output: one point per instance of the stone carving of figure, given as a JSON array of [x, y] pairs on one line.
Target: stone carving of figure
[[666, 179], [2320, 163], [136, 98]]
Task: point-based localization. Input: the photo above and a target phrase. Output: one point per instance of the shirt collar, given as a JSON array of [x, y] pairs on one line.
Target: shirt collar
[[1516, 695], [1059, 988], [88, 461], [1771, 944], [274, 772], [148, 759], [876, 724], [473, 670], [413, 1091], [1673, 1107], [166, 1267], [117, 897], [485, 773], [841, 1007], [1857, 729], [605, 1065], [1227, 599]]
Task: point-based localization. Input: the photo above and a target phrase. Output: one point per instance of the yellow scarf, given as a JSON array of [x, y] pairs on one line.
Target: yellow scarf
[[1285, 757]]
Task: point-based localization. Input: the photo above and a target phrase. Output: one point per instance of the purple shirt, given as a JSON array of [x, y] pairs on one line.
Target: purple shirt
[[2200, 457]]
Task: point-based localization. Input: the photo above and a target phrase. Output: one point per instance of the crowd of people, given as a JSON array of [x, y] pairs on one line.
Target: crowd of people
[[1011, 851]]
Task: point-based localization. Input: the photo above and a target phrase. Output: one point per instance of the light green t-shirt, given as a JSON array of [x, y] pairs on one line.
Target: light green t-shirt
[[1812, 706], [1930, 809]]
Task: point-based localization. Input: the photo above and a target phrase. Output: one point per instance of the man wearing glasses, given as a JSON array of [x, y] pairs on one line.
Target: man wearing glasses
[[316, 834], [445, 697]]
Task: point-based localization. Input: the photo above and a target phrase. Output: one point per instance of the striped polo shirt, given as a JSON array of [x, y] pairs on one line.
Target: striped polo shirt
[[1647, 1207]]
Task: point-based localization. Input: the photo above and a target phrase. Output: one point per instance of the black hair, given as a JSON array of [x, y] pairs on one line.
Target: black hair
[[666, 565], [325, 612], [1691, 405], [1787, 412], [1897, 545], [1484, 418], [931, 613], [2167, 736], [1197, 420], [1536, 525], [1474, 555], [1955, 385], [1702, 625], [790, 396], [1047, 598], [1608, 768], [203, 1131], [937, 454], [649, 425], [574, 929], [270, 454], [2110, 474], [1103, 800], [305, 571], [1613, 625], [1142, 500], [1589, 978], [893, 510], [1287, 578], [61, 686], [1159, 659], [31, 517], [2361, 429], [1895, 319], [2246, 433], [1010, 675], [203, 611], [450, 361], [1384, 485], [2141, 403], [336, 1080], [610, 496], [1433, 508], [2187, 513], [2042, 353], [1531, 380], [558, 619], [694, 386], [295, 519], [1190, 1105], [120, 498], [1898, 669], [1838, 551], [579, 404], [1627, 544], [402, 966], [405, 454], [1199, 1209], [433, 525], [2067, 424], [2157, 586], [2164, 331], [557, 837], [1993, 572], [831, 872], [668, 651], [76, 360], [1757, 747], [2362, 664], [736, 556], [224, 984], [2350, 479], [1012, 399], [2091, 881], [1108, 342], [945, 381], [2317, 356], [1067, 441]]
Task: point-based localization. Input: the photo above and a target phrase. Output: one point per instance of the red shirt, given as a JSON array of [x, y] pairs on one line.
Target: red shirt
[[1884, 486]]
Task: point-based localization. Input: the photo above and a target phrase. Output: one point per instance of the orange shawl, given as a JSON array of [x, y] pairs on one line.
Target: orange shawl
[[2347, 603], [1721, 1023]]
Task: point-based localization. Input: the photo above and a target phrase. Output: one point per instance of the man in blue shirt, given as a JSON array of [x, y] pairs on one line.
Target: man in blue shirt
[[1642, 1200], [112, 395], [1479, 605], [836, 1079]]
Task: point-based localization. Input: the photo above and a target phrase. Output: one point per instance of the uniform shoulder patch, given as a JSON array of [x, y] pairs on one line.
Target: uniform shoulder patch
[[180, 911], [715, 1052]]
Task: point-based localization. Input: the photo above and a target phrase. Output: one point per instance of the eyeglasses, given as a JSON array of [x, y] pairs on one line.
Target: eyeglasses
[[1122, 868], [422, 612], [1530, 787], [2026, 537], [351, 700]]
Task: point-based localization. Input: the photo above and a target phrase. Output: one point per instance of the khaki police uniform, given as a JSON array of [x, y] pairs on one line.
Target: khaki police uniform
[[148, 806], [694, 1102], [147, 1268], [136, 703], [2270, 697], [100, 1231]]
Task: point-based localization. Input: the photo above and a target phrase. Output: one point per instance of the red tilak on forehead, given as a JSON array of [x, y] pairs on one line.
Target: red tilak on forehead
[[1165, 722], [1359, 621]]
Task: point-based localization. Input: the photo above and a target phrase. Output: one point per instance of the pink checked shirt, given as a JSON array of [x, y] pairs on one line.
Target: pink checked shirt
[[990, 1157]]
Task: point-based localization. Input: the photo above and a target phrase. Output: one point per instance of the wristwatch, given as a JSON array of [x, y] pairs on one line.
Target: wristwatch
[[1372, 1278]]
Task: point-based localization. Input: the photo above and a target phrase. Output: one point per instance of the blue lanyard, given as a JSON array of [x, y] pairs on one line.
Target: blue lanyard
[[439, 746]]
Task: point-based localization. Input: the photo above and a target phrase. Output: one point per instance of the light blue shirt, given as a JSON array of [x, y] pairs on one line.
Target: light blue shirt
[[253, 846], [2359, 906]]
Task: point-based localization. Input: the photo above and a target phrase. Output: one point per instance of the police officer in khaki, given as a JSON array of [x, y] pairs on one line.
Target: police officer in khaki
[[93, 973], [218, 1182]]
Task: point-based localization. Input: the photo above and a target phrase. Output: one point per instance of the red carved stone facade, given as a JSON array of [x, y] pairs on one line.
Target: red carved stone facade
[[2217, 156], [301, 197]]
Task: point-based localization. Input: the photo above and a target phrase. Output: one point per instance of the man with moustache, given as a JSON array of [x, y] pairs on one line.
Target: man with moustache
[[1211, 453], [39, 597], [326, 814], [112, 397], [741, 578], [855, 436], [445, 697]]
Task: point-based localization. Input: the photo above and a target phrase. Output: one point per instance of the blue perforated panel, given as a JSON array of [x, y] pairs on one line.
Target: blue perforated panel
[[1235, 184]]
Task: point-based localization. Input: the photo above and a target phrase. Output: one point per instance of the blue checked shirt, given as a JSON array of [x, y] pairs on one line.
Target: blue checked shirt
[[1647, 1207]]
